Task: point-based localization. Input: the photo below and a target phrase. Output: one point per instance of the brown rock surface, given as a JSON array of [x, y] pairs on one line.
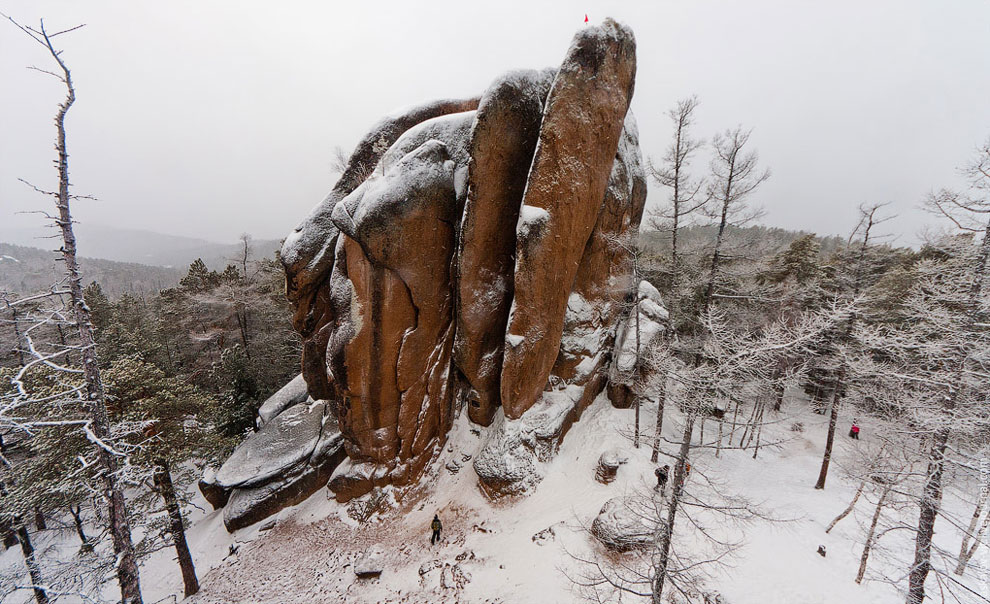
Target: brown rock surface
[[605, 276], [398, 241], [308, 252], [579, 136], [503, 139]]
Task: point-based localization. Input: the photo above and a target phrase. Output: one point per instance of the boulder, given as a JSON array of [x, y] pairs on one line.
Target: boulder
[[579, 136], [503, 139], [510, 462], [280, 447], [370, 564], [216, 495], [248, 505], [626, 523], [608, 465], [291, 394]]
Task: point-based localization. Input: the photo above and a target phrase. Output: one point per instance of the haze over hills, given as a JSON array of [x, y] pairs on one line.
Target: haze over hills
[[140, 246]]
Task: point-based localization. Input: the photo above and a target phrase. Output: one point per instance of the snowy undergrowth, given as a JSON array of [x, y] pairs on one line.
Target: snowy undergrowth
[[489, 554]]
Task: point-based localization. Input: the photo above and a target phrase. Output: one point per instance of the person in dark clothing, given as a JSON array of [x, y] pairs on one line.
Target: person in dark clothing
[[662, 474], [437, 527]]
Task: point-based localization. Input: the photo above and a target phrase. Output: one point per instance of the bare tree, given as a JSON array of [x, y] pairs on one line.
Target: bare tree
[[868, 220], [98, 425], [673, 174]]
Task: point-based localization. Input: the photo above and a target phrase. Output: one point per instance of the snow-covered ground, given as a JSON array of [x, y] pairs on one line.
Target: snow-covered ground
[[488, 553]]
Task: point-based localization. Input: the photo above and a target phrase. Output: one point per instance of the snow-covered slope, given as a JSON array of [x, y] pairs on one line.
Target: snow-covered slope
[[502, 553]]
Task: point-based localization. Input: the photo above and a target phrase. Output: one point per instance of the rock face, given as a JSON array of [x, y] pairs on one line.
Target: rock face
[[579, 137], [506, 130], [474, 251], [651, 324], [286, 461]]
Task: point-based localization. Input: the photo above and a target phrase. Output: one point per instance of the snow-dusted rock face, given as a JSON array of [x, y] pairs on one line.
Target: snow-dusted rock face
[[652, 323], [283, 463], [292, 393], [506, 129], [470, 254], [579, 137]]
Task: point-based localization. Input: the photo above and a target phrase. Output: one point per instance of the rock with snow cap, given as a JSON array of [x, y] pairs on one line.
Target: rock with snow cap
[[624, 524]]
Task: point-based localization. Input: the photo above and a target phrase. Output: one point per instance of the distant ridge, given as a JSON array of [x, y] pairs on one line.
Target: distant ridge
[[141, 246]]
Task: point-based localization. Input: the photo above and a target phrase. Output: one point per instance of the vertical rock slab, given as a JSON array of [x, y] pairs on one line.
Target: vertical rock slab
[[308, 252], [605, 277], [399, 238], [503, 139], [579, 136]]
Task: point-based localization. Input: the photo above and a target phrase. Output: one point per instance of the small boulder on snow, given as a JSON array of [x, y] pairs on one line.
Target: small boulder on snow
[[370, 564], [608, 465], [624, 524]]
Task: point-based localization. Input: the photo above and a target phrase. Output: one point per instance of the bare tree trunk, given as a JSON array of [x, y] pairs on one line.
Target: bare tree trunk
[[17, 336], [661, 399], [848, 509], [636, 369], [163, 480], [971, 531], [40, 595], [870, 536], [666, 536], [759, 430], [965, 555], [127, 570], [931, 500], [932, 495], [76, 512], [830, 439]]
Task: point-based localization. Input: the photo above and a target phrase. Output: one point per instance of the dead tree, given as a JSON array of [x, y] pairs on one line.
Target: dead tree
[[95, 398]]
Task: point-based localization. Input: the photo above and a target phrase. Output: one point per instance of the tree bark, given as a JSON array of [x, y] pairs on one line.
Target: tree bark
[[76, 512], [870, 536], [830, 439], [40, 595], [163, 480], [127, 570], [848, 509], [661, 400]]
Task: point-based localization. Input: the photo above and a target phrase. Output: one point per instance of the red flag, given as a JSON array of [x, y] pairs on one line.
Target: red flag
[[586, 18]]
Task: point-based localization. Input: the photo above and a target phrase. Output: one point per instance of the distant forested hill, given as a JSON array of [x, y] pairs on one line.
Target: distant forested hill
[[144, 247], [26, 270]]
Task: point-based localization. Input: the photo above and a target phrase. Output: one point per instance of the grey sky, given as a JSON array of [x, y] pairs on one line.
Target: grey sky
[[209, 119]]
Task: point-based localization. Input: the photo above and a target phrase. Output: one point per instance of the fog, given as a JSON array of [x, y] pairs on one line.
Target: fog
[[210, 119]]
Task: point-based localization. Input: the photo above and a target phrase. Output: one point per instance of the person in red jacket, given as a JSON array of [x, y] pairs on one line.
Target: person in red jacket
[[854, 431]]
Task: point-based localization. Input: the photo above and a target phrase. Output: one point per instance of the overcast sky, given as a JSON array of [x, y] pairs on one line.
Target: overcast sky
[[209, 119]]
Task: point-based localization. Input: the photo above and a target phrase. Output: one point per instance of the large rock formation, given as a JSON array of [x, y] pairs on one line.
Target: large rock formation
[[474, 251]]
